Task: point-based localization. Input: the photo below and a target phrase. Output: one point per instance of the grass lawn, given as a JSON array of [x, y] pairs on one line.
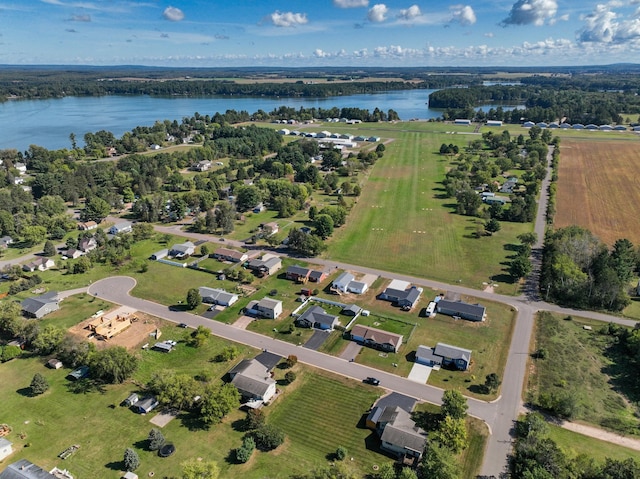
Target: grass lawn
[[76, 309], [402, 222], [44, 426], [574, 444], [313, 435], [587, 366]]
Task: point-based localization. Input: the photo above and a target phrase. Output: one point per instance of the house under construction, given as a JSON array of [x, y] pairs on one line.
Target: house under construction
[[109, 324]]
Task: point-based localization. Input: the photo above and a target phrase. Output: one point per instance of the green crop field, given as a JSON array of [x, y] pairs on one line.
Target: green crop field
[[402, 222]]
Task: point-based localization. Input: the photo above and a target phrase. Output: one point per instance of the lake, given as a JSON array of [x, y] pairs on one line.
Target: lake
[[49, 123]]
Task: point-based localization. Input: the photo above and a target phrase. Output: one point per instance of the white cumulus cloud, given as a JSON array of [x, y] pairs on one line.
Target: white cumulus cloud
[[350, 3], [287, 19], [378, 13], [531, 12], [173, 14], [462, 14], [410, 13]]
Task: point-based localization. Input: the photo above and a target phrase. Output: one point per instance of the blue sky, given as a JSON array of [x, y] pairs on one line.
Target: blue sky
[[214, 33]]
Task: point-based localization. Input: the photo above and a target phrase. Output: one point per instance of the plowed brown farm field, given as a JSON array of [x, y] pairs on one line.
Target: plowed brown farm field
[[599, 188]]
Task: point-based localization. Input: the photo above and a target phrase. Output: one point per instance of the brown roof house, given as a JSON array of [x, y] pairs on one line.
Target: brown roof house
[[376, 338]]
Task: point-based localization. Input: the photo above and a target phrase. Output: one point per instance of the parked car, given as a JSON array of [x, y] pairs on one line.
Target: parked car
[[183, 325], [372, 381]]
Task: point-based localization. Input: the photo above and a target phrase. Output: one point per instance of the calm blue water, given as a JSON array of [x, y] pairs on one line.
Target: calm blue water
[[49, 123]]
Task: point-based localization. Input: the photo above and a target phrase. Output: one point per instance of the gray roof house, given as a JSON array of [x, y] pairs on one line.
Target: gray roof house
[[399, 434], [253, 380], [341, 283], [182, 250], [39, 306], [265, 308], [472, 312], [24, 469], [124, 227], [217, 296], [146, 405], [444, 354], [403, 298], [316, 317]]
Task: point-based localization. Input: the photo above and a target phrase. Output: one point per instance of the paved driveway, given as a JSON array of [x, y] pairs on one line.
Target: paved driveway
[[316, 340], [351, 351], [420, 373]]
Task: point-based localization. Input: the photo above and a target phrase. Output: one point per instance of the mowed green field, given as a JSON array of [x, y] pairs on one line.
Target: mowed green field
[[402, 223]]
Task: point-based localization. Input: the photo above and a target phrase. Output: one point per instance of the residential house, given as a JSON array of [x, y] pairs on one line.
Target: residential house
[[265, 266], [401, 293], [226, 254], [217, 296], [123, 227], [24, 469], [496, 200], [87, 244], [5, 241], [39, 306], [6, 448], [399, 435], [253, 379], [317, 276], [472, 312], [87, 226], [204, 165], [146, 405], [373, 139], [73, 253], [357, 287], [444, 354], [341, 283], [182, 250], [265, 308], [39, 264], [528, 124], [163, 253], [299, 274], [376, 338], [318, 318], [494, 123], [21, 167], [461, 121]]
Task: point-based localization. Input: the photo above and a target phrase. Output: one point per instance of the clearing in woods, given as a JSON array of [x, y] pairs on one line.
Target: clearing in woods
[[598, 184]]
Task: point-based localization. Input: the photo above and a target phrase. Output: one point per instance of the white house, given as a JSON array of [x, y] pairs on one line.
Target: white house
[[182, 250], [124, 227], [217, 296], [341, 283]]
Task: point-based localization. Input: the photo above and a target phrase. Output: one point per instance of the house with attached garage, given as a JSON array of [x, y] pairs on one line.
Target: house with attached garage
[[445, 355], [87, 244], [253, 379], [459, 309], [299, 274], [376, 338], [265, 266], [39, 306], [119, 228], [39, 264], [265, 308], [317, 276], [217, 296], [226, 254], [341, 283], [399, 435], [318, 318], [401, 293], [182, 250]]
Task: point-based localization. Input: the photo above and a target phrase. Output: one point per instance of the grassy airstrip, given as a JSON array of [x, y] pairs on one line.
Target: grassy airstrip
[[403, 223]]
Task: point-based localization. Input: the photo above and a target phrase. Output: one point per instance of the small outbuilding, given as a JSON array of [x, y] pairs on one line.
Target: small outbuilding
[[6, 448], [54, 363]]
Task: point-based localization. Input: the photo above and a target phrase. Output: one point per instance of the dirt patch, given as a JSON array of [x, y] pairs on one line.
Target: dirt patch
[[131, 338], [598, 188]]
